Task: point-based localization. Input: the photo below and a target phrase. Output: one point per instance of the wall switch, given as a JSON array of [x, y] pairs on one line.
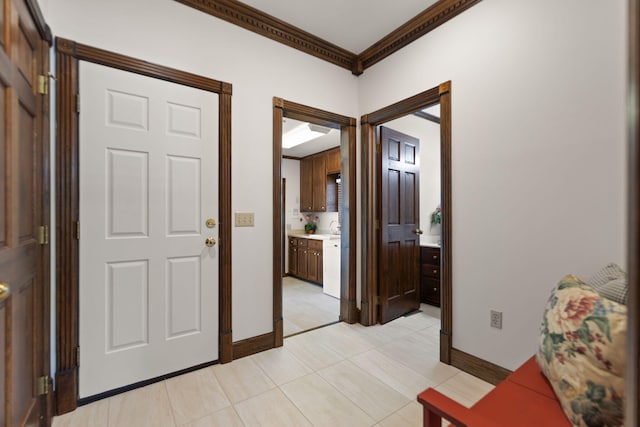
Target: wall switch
[[496, 319], [244, 219]]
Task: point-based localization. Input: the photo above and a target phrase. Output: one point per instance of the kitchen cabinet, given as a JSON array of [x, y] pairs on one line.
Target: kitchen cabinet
[[293, 256], [305, 259], [430, 275], [306, 184], [302, 258], [318, 191], [319, 183], [314, 261], [333, 161]]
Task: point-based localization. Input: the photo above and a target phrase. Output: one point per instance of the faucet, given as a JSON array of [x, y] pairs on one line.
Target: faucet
[[336, 229]]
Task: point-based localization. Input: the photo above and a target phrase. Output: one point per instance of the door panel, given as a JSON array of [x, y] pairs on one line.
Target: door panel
[[23, 208], [148, 183], [398, 287]]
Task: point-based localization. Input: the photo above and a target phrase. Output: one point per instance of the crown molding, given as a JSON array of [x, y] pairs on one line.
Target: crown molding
[[428, 20], [252, 19]]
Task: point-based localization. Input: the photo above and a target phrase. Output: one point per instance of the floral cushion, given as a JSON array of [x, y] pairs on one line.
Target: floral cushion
[[582, 353]]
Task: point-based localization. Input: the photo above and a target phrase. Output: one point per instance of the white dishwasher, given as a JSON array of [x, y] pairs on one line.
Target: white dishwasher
[[331, 267]]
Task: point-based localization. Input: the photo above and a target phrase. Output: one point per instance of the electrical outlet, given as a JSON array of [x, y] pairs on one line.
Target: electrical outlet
[[496, 319], [244, 219]]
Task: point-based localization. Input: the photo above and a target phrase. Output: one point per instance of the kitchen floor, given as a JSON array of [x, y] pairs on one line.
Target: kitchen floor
[[305, 306], [340, 375]]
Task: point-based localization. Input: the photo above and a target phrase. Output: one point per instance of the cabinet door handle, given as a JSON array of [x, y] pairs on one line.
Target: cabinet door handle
[[435, 257], [435, 289], [435, 271]]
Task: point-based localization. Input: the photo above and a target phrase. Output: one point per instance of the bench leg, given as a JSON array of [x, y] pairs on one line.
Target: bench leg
[[431, 419]]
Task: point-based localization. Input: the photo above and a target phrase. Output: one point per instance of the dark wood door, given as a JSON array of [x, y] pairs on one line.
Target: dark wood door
[[24, 321], [399, 257]]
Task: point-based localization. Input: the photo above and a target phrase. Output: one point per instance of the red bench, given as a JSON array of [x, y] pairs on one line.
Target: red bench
[[524, 399]]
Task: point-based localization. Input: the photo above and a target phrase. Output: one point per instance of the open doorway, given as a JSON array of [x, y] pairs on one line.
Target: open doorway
[[376, 295], [322, 187], [311, 192]]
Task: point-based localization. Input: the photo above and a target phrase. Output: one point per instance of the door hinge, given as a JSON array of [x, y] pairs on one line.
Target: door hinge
[[375, 300], [43, 84], [77, 102], [378, 148], [77, 356], [42, 385], [377, 224], [43, 235], [77, 230]]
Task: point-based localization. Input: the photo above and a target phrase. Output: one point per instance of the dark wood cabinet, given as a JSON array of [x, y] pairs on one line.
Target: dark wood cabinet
[[430, 275], [306, 184], [333, 161], [319, 183], [293, 256], [314, 261], [318, 188], [305, 259]]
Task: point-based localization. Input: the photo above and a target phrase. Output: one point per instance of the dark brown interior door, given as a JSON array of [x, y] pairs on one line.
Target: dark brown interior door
[[24, 325], [398, 278]]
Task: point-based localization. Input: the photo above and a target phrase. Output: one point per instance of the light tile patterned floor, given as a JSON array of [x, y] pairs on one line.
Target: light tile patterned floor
[[340, 375], [305, 306]]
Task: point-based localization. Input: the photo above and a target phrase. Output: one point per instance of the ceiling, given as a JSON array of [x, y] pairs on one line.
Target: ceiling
[[353, 25], [332, 139]]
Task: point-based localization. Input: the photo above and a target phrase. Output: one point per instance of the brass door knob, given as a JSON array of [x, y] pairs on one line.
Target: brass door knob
[[4, 290], [417, 231], [210, 241]]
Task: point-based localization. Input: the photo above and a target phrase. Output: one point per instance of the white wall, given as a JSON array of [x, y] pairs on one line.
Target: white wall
[[538, 139], [538, 154], [429, 135], [174, 35], [291, 172]]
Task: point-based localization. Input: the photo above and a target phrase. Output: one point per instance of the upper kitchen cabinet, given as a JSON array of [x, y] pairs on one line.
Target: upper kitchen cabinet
[[333, 161], [318, 181], [306, 184]]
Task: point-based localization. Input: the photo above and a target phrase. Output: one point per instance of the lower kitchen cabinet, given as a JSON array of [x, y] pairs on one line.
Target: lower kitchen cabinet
[[305, 259], [430, 275]]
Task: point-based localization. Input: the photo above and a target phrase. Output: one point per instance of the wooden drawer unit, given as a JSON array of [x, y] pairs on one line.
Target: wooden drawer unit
[[430, 275], [305, 259]]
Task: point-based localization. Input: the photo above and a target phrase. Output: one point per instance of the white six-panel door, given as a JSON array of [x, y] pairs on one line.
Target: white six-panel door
[[148, 184]]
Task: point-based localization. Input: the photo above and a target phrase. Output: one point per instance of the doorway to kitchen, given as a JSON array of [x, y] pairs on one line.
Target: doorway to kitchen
[[314, 222]]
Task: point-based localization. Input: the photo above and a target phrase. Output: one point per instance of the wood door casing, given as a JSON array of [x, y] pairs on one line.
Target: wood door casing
[[68, 54], [24, 207], [399, 220]]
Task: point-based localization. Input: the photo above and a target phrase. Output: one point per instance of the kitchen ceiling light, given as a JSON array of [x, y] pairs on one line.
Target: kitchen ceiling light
[[302, 134]]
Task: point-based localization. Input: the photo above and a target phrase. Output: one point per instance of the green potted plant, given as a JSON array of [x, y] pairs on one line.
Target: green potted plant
[[312, 224], [436, 217]]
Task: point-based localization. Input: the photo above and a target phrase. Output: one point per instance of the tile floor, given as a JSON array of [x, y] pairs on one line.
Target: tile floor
[[305, 306], [340, 375]]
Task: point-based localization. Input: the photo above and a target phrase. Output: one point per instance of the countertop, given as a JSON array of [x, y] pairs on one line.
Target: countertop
[[316, 236], [430, 245]]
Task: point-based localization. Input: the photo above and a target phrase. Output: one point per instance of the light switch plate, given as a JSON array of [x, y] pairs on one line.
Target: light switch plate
[[245, 219]]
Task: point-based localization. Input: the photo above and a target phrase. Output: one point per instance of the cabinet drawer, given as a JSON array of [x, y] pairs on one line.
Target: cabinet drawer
[[315, 244], [293, 241], [431, 271], [430, 291], [430, 255]]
